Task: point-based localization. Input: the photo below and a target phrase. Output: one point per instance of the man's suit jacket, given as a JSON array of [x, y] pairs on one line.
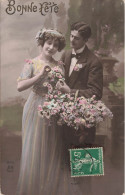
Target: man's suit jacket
[[88, 80]]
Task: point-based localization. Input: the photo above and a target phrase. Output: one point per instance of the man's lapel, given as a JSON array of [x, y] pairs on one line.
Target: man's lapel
[[75, 74]]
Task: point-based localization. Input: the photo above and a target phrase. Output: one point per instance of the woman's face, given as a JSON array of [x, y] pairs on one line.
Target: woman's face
[[50, 47]]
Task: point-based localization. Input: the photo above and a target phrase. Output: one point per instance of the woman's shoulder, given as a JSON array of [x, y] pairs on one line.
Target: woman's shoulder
[[35, 60], [31, 61], [35, 63]]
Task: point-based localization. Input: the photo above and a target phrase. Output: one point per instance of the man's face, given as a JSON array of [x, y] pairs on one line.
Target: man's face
[[76, 40]]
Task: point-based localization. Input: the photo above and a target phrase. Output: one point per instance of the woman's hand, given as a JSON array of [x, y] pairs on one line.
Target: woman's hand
[[63, 87], [45, 70]]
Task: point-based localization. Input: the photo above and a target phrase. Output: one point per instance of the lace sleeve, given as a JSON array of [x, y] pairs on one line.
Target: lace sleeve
[[27, 72]]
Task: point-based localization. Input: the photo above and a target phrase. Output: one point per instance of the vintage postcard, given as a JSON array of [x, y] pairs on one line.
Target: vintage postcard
[[62, 97]]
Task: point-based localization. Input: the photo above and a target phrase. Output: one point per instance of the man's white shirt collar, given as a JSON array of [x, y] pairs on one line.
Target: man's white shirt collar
[[74, 60]]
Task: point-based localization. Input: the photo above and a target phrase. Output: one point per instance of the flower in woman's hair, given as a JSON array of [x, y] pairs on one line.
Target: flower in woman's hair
[[40, 33]]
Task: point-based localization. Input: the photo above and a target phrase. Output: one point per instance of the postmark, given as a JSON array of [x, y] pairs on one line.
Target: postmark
[[86, 162]]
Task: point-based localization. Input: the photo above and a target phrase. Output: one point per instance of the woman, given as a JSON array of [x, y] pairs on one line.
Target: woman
[[41, 142], [45, 163]]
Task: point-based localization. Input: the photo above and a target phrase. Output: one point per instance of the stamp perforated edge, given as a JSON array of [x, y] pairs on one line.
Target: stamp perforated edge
[[93, 174]]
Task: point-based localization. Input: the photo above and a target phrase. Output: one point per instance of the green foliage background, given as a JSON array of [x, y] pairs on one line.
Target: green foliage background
[[98, 13], [11, 117]]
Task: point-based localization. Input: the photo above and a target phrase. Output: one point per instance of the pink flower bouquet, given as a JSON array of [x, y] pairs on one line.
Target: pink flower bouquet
[[71, 110]]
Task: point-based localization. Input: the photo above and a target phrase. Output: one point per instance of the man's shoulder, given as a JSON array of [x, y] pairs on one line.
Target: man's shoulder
[[92, 57], [66, 54]]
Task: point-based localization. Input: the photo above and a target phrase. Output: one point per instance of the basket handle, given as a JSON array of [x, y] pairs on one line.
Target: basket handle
[[76, 94]]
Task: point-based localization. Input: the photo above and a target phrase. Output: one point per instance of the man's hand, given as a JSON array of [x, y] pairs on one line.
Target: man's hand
[[63, 87]]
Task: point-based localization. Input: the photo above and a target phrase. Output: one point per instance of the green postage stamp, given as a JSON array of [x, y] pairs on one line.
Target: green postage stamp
[[86, 162]]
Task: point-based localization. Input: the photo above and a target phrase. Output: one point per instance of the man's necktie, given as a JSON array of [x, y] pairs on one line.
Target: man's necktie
[[77, 56]]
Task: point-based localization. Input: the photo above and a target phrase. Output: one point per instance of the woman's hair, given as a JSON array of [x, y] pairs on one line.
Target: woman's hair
[[45, 34], [83, 28]]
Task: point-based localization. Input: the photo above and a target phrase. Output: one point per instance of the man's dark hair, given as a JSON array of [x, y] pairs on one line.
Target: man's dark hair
[[83, 28]]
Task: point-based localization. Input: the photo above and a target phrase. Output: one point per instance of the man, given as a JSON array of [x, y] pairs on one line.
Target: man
[[84, 76]]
